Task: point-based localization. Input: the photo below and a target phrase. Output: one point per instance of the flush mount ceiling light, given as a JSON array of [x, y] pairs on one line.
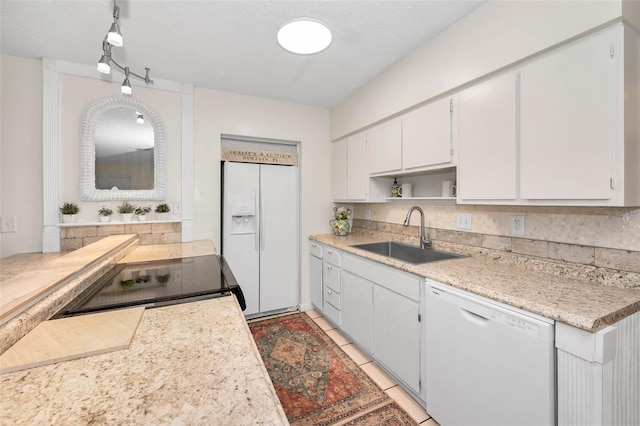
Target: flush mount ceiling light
[[304, 37], [114, 38]]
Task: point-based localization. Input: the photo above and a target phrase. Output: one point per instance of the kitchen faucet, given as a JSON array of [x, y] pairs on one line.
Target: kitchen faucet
[[424, 242]]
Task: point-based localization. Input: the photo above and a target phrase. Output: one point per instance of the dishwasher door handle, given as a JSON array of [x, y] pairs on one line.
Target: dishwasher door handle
[[474, 318]]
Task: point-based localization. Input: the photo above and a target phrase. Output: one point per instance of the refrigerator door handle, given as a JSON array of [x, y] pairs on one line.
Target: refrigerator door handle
[[258, 223], [261, 220]]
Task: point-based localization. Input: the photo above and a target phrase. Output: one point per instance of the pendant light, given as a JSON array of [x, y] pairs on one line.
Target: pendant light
[[114, 38], [126, 86]]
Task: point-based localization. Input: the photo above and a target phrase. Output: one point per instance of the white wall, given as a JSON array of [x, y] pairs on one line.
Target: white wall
[[215, 113], [76, 93], [21, 153], [494, 36], [218, 113]]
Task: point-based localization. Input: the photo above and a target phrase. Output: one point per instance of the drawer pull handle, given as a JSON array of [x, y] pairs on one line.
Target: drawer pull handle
[[329, 251], [329, 266], [329, 292]]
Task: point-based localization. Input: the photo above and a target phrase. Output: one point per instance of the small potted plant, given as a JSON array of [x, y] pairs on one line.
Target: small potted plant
[[105, 213], [126, 209], [69, 212], [162, 211], [141, 212]]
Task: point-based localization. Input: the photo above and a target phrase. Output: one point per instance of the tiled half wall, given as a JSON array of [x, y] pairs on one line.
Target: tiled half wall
[[74, 237]]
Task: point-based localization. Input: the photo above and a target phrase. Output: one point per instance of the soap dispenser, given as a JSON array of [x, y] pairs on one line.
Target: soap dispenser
[[395, 188]]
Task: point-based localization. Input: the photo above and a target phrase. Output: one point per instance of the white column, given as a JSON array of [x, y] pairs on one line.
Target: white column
[[50, 156], [187, 163]]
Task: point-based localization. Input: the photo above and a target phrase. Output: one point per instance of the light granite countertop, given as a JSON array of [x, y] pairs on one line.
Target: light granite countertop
[[192, 363], [576, 302]]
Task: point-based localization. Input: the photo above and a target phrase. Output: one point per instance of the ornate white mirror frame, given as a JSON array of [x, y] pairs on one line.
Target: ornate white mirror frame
[[90, 117]]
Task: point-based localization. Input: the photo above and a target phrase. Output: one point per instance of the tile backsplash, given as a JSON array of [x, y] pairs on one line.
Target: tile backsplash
[[602, 245]]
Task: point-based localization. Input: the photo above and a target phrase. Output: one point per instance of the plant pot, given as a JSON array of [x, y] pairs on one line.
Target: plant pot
[[126, 217], [104, 218], [69, 218], [162, 216], [142, 217], [340, 226]]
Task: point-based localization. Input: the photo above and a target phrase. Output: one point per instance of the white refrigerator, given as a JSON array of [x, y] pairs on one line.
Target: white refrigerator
[[260, 233]]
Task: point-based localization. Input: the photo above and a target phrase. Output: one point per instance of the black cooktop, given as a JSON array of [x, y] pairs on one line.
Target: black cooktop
[[158, 283]]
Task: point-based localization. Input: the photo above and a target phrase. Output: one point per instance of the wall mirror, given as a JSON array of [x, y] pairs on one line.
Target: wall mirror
[[122, 152]]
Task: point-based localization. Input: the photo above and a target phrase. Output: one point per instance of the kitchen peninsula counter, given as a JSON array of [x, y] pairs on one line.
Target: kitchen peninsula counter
[[192, 363], [573, 301]]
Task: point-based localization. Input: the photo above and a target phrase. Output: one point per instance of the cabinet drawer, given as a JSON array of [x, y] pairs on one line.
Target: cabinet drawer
[[316, 250], [331, 276], [332, 297], [332, 314], [332, 256]]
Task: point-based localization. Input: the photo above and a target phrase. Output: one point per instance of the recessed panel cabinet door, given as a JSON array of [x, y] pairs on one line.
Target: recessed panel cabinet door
[[357, 174], [397, 335], [426, 135], [567, 134], [339, 169], [316, 282], [357, 309], [385, 147], [487, 140]]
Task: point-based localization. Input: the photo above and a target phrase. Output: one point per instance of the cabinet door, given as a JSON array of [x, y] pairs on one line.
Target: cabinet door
[[487, 141], [339, 169], [397, 335], [566, 121], [357, 176], [426, 136], [316, 282], [385, 147], [357, 309]]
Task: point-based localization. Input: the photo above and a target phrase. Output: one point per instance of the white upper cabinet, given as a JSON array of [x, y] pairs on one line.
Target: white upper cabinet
[[487, 141], [339, 169], [426, 136], [357, 176], [350, 178], [568, 129], [385, 147]]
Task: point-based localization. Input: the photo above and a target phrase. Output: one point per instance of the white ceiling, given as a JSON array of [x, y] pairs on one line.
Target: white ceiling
[[231, 45]]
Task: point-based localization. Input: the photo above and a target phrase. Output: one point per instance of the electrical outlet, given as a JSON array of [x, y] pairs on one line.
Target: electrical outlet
[[9, 224], [463, 220], [367, 213], [517, 225]]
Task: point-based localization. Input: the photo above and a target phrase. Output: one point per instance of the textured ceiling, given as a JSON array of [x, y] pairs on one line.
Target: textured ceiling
[[231, 45]]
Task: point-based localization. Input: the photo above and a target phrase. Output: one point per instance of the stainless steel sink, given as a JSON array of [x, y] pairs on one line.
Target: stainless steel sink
[[406, 252]]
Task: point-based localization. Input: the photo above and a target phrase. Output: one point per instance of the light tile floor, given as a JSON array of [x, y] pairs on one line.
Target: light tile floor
[[377, 375]]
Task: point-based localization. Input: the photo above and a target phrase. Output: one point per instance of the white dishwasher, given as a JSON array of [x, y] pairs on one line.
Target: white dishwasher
[[486, 363]]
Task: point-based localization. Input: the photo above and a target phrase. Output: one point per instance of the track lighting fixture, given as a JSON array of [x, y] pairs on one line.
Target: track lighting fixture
[[114, 38]]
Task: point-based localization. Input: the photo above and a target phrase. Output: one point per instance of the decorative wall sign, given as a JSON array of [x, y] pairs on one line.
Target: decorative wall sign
[[262, 157]]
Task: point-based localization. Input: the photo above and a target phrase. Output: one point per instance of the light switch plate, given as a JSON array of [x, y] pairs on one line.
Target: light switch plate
[[177, 208], [463, 221]]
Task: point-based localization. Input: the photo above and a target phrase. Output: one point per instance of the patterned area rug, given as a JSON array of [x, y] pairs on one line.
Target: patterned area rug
[[317, 383]]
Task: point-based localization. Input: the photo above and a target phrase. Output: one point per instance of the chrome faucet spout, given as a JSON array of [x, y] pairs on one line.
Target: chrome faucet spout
[[424, 241]]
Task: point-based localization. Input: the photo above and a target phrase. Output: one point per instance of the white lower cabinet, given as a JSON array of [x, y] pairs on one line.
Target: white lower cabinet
[[357, 309], [316, 275], [381, 313], [332, 286], [397, 335]]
